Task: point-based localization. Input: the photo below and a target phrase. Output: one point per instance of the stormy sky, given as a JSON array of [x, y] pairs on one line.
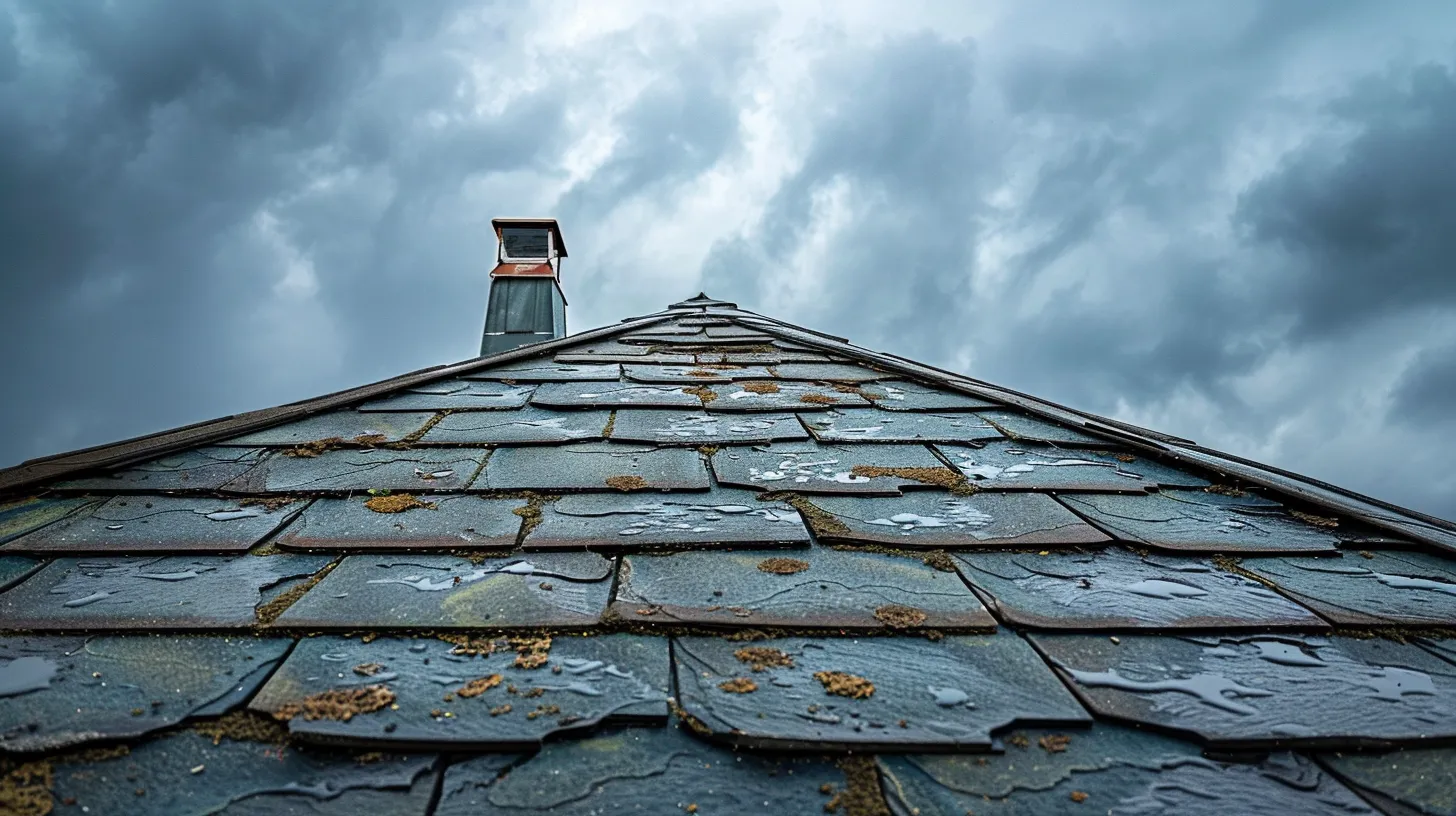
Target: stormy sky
[[1231, 221]]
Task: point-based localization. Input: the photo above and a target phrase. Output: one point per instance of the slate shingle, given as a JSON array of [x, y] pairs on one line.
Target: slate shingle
[[1198, 521], [1370, 589], [349, 426], [359, 471], [140, 524], [22, 516], [528, 426], [204, 468], [614, 522], [815, 468], [939, 520], [454, 395], [1009, 465], [441, 522], [700, 428], [596, 466]]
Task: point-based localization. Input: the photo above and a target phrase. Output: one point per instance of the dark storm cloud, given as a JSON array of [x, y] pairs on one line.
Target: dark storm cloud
[[1426, 393]]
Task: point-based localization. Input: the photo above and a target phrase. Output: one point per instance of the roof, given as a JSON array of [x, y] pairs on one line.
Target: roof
[[703, 561]]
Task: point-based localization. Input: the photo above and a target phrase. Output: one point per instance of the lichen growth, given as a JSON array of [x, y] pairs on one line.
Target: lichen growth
[[760, 387], [531, 652], [268, 503], [243, 726], [782, 566], [862, 795], [702, 392], [318, 447], [1054, 743], [368, 669], [626, 483], [531, 513], [25, 790], [370, 440], [1316, 521], [845, 685], [761, 658], [479, 686], [269, 612], [611, 424], [1224, 490], [820, 521], [939, 560], [818, 399], [952, 480], [338, 704], [897, 616], [397, 503], [738, 685]]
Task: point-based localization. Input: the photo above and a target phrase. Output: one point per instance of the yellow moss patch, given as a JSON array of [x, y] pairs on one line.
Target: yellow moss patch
[[1078, 796], [370, 439], [845, 685], [368, 669], [1224, 490], [531, 652], [397, 503], [531, 512], [318, 447], [818, 399], [268, 504], [862, 795], [941, 476], [479, 686], [26, 789], [698, 372], [897, 616], [243, 726], [269, 612], [611, 423], [338, 704], [739, 685], [760, 658], [820, 521], [939, 560], [760, 387], [1317, 521], [702, 392], [626, 483], [1054, 743], [782, 566]]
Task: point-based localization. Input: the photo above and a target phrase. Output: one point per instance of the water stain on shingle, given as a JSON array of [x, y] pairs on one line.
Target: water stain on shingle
[[85, 689]]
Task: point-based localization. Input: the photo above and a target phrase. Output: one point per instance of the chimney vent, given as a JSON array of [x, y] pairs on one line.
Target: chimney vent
[[526, 304]]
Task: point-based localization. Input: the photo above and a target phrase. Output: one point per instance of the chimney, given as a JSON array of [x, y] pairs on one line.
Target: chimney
[[526, 305]]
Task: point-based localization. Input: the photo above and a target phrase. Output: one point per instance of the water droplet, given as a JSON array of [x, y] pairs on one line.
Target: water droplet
[[232, 515], [1286, 654], [1165, 590], [1403, 582], [25, 674], [89, 599], [948, 697], [1210, 689]]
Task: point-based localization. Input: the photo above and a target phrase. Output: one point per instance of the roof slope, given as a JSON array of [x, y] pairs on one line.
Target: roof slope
[[700, 562]]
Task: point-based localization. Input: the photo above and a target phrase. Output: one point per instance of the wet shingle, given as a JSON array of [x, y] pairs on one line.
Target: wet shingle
[[1403, 782], [1198, 521], [613, 521], [874, 425], [1257, 691], [900, 395], [869, 694], [22, 516], [700, 428], [349, 426], [780, 396], [445, 592], [137, 524], [14, 567], [1027, 428], [1110, 769], [809, 467], [358, 471], [186, 773], [1118, 589], [440, 522], [612, 395], [206, 468], [640, 770], [400, 688], [454, 395], [692, 374], [936, 520], [528, 426], [596, 466], [1371, 589], [1007, 465], [61, 691], [817, 588], [828, 372], [157, 592], [532, 371]]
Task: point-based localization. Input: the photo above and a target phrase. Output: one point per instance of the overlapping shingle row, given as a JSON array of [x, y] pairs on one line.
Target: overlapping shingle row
[[709, 563]]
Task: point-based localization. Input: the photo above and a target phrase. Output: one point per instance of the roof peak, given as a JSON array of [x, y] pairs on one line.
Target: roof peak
[[702, 301]]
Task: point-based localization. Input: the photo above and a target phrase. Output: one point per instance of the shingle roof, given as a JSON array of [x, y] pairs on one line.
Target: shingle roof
[[708, 562]]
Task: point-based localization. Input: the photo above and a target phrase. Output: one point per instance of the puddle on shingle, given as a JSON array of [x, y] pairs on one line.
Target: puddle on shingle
[[623, 770], [206, 468], [157, 592], [22, 516], [1407, 781], [1026, 428], [700, 428], [924, 519], [612, 395], [1202, 522], [130, 524], [874, 425], [446, 592], [610, 521], [70, 690], [808, 467], [1371, 589], [630, 685], [453, 523], [1257, 690], [244, 779], [780, 396], [1009, 465], [691, 374], [900, 395], [828, 372], [454, 395], [357, 471], [528, 426], [1117, 589], [1109, 769], [588, 466], [870, 694], [375, 428], [832, 589], [532, 371]]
